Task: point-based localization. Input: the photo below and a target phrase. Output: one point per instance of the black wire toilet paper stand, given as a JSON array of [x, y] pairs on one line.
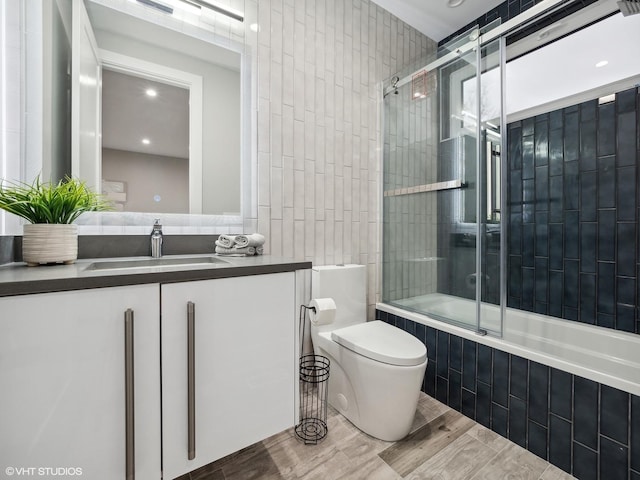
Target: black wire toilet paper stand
[[314, 386]]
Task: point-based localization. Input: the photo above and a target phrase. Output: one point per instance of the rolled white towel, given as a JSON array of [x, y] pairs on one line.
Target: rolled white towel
[[259, 250], [236, 252], [222, 244], [226, 241], [253, 240]]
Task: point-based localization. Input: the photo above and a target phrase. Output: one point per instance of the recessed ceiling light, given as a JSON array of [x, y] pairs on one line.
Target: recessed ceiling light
[[454, 3], [151, 92], [254, 27], [146, 141], [602, 63]]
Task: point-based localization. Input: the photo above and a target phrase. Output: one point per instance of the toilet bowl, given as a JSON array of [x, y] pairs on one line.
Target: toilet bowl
[[376, 369]]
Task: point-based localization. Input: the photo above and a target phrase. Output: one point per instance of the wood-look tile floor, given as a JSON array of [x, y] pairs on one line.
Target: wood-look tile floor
[[443, 445]]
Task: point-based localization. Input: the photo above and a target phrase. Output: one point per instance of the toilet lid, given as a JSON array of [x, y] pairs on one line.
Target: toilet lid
[[382, 342]]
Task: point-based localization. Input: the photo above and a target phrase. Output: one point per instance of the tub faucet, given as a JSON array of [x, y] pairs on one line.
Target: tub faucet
[[156, 240]]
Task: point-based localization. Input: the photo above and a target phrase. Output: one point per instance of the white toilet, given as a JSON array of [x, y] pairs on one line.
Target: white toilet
[[376, 369]]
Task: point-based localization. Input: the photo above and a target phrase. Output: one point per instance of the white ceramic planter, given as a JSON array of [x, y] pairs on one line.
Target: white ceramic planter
[[49, 243]]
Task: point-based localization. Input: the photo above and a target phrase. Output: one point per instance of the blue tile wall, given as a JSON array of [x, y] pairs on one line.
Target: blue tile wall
[[453, 279], [573, 249], [585, 428]]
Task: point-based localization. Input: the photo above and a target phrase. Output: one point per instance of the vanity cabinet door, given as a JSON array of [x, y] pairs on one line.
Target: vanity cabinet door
[[242, 346], [63, 384]]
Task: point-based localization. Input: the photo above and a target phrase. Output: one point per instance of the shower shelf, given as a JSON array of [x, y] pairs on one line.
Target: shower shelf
[[427, 187]]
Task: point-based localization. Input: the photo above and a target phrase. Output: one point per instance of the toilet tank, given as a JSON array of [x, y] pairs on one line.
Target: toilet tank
[[347, 285]]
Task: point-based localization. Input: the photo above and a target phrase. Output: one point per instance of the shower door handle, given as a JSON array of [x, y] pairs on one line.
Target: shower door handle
[[129, 396], [191, 381]]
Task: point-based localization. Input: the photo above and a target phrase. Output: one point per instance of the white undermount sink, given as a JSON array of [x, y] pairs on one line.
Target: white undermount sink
[[155, 263]]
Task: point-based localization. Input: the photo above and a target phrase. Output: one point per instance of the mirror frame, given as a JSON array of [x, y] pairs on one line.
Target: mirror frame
[[140, 222]]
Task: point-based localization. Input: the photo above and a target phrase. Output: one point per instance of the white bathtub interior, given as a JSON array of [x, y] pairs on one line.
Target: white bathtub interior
[[456, 310]]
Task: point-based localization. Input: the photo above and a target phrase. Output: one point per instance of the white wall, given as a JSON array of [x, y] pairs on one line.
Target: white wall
[[26, 121], [56, 96], [11, 94], [221, 122], [571, 62]]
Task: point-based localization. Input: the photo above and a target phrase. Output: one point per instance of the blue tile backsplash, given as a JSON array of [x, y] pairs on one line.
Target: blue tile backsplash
[[585, 428], [573, 249]]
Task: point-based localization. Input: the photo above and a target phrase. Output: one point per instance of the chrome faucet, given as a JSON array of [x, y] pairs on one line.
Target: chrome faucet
[[156, 240]]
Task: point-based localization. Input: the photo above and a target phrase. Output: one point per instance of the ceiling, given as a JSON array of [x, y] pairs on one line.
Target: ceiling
[[435, 18], [110, 21], [129, 115], [574, 63], [582, 66]]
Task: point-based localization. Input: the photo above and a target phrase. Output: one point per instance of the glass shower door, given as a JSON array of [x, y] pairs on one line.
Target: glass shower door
[[442, 190], [458, 276], [410, 262]]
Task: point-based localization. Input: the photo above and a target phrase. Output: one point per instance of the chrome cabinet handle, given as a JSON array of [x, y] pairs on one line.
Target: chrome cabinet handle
[[191, 380], [129, 396]]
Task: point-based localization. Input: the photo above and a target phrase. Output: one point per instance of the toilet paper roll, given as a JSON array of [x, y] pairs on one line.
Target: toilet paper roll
[[325, 311]]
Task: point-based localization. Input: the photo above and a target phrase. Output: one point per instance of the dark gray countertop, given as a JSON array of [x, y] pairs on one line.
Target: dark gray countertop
[[18, 279]]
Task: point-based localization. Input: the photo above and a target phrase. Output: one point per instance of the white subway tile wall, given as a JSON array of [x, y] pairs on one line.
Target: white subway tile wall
[[410, 223], [320, 68]]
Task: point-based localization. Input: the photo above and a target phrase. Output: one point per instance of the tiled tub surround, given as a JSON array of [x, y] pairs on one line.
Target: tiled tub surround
[[573, 213], [586, 428]]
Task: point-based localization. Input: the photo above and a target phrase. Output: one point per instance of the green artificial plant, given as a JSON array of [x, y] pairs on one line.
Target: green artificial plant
[[43, 202]]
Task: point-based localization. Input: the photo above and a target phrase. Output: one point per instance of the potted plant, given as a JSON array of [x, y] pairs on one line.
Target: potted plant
[[50, 209]]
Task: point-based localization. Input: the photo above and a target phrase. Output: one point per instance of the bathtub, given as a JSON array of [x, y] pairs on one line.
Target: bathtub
[[600, 354]]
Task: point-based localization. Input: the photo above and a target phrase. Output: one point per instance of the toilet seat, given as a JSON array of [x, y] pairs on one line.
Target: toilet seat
[[382, 342]]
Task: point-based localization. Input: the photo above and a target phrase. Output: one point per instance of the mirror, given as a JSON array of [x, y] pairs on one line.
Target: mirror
[[151, 108]]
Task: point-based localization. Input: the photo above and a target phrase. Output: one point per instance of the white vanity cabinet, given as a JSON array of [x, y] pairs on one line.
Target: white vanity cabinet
[[80, 385], [228, 366]]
